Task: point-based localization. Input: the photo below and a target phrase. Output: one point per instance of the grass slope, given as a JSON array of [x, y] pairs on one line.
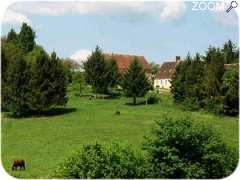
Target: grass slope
[[45, 141]]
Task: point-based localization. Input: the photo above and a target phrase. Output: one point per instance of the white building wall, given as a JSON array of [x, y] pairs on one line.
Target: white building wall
[[162, 83]]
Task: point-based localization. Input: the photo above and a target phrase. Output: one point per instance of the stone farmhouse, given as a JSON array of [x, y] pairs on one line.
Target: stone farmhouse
[[165, 73]]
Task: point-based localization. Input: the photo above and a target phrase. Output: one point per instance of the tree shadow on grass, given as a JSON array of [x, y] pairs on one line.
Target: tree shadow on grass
[[51, 112], [137, 104], [58, 111]]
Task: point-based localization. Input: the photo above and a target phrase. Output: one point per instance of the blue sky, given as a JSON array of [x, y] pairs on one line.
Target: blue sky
[[157, 30]]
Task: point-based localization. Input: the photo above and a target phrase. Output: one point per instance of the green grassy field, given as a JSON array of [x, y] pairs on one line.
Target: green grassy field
[[45, 141]]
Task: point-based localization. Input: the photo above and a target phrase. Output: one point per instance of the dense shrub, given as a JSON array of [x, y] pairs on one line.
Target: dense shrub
[[152, 97], [183, 149], [191, 104], [97, 161]]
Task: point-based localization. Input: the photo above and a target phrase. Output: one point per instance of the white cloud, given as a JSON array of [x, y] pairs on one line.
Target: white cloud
[[166, 11], [172, 10], [12, 17], [80, 55]]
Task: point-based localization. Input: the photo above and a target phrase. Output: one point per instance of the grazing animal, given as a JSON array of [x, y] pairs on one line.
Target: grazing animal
[[18, 163], [117, 112]]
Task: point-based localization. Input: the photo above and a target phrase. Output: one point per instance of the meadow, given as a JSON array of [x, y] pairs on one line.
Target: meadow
[[46, 141]]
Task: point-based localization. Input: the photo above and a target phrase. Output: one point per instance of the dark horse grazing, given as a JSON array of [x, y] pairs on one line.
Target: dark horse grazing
[[18, 163]]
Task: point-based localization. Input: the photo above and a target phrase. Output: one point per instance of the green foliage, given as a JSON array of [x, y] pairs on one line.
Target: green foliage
[[178, 82], [98, 161], [152, 97], [112, 73], [213, 72], [95, 71], [181, 149], [10, 52], [230, 52], [33, 81], [58, 80], [48, 82], [79, 81], [230, 91], [12, 36], [199, 83], [99, 73], [135, 82], [19, 89], [26, 38]]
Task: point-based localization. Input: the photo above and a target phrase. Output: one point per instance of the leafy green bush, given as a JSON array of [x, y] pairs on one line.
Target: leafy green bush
[[183, 149], [191, 104], [152, 97], [97, 161]]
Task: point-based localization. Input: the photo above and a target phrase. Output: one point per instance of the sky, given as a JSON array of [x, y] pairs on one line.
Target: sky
[[160, 31]]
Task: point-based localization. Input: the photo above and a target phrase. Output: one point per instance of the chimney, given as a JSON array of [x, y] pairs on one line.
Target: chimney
[[178, 58]]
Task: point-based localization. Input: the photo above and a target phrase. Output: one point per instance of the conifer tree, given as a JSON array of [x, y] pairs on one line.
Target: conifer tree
[[4, 76], [59, 81], [230, 91], [26, 38], [12, 36], [213, 72], [112, 74], [19, 88], [230, 53], [40, 81], [95, 71], [135, 81]]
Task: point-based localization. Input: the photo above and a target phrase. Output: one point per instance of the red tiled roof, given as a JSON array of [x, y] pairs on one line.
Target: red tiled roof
[[167, 70], [123, 61]]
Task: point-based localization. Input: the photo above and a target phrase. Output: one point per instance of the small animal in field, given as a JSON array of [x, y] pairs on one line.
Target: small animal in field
[[117, 112], [18, 163]]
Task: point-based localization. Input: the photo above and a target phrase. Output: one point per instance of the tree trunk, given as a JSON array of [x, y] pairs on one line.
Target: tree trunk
[[134, 100]]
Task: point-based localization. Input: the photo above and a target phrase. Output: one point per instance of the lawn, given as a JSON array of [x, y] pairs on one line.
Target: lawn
[[45, 141]]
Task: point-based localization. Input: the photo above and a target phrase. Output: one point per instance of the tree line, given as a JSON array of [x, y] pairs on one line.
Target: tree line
[[210, 81], [32, 80], [103, 75]]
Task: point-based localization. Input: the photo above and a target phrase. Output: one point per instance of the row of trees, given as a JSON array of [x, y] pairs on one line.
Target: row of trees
[[207, 82], [103, 75], [32, 81], [177, 148]]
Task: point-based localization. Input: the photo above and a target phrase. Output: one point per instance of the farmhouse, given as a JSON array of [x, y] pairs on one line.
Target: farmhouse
[[165, 73], [123, 61]]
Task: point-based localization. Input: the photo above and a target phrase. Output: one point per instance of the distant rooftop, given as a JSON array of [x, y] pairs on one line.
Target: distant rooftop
[[123, 61]]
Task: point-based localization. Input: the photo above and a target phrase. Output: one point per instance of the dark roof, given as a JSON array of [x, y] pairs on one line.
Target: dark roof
[[167, 70], [123, 61]]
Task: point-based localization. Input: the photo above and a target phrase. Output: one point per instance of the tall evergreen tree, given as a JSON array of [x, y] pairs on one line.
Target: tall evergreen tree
[[135, 81], [112, 74], [213, 72], [230, 53], [178, 81], [230, 91], [26, 38], [59, 81], [10, 52], [40, 82], [12, 36], [95, 71], [4, 84], [19, 89]]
